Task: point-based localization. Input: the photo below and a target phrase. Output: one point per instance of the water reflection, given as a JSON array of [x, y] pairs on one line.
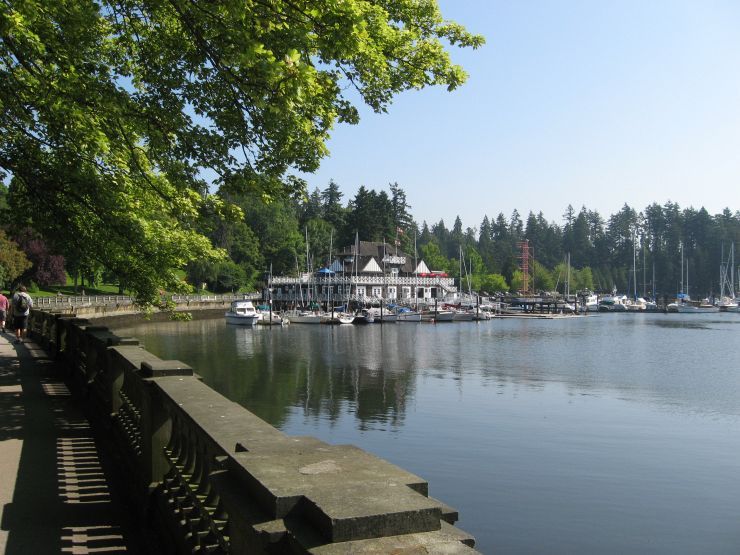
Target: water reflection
[[372, 372]]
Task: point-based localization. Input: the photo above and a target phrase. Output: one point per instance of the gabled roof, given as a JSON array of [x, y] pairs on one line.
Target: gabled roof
[[422, 268], [372, 266], [376, 250], [372, 248]]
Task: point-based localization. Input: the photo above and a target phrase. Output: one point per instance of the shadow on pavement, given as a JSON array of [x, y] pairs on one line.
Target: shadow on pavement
[[61, 502]]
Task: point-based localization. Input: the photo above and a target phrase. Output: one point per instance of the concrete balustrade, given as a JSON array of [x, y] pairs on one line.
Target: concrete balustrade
[[209, 476]]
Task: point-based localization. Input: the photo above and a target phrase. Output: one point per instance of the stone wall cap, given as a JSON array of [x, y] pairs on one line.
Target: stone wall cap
[[159, 368]]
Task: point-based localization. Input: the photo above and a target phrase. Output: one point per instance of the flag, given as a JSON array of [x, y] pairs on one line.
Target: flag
[[399, 230]]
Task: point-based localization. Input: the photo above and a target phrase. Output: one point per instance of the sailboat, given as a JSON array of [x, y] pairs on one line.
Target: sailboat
[[636, 304], [405, 314], [684, 304], [304, 316], [727, 300]]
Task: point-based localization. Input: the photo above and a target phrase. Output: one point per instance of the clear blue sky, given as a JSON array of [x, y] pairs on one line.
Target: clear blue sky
[[569, 102]]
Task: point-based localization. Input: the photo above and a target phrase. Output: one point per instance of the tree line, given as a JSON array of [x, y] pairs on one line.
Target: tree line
[[630, 250]]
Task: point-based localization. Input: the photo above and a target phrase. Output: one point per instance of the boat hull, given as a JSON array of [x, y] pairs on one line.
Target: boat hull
[[237, 320], [304, 318], [408, 317]]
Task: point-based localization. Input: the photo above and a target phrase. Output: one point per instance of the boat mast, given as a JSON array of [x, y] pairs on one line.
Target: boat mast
[[308, 269], [357, 263], [680, 246], [634, 266], [460, 262], [732, 269], [644, 282], [416, 276]]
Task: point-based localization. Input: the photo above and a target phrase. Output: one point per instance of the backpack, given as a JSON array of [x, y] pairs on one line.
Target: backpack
[[21, 304]]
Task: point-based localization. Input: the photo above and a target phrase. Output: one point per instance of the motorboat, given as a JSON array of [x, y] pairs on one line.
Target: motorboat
[[242, 313], [364, 316], [612, 303], [591, 302]]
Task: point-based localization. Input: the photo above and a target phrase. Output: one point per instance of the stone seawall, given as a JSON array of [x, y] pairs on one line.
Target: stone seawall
[[208, 476]]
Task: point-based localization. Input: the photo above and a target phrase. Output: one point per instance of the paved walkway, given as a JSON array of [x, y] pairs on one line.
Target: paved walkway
[[54, 492]]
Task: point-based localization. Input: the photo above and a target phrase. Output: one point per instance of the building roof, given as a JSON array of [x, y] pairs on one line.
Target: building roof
[[377, 250]]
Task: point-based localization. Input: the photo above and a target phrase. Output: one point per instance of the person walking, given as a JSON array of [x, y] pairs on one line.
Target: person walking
[[21, 304], [4, 306]]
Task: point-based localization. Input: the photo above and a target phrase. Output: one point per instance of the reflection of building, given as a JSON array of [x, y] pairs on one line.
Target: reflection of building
[[367, 271]]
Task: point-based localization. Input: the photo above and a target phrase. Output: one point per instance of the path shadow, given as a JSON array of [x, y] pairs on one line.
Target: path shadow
[[62, 502]]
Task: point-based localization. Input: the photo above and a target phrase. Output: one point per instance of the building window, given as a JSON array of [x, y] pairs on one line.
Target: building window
[[377, 291], [360, 290], [406, 292], [391, 292]]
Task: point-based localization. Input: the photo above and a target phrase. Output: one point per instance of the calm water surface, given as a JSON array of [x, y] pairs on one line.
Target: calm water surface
[[604, 434]]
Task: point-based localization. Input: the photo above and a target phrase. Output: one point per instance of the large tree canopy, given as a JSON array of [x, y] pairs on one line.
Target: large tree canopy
[[118, 117]]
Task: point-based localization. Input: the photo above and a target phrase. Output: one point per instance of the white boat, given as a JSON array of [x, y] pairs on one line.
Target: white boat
[[384, 316], [637, 305], [242, 313], [463, 316], [304, 317], [481, 315], [271, 318], [685, 305], [591, 303], [338, 318], [444, 315], [404, 314], [612, 303], [727, 304]]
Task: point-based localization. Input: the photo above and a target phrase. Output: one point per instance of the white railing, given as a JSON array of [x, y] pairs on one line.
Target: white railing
[[123, 300], [447, 283]]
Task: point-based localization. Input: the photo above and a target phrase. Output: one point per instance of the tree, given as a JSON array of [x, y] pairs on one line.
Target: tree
[[493, 283], [113, 112], [13, 262], [331, 199], [47, 268], [435, 260]]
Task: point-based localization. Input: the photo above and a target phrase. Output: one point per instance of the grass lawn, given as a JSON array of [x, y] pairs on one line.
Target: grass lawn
[[69, 289]]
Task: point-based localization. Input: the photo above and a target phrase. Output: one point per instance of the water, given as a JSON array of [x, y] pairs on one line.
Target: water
[[606, 434]]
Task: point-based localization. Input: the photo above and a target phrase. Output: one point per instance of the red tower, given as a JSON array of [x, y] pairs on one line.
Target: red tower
[[524, 254]]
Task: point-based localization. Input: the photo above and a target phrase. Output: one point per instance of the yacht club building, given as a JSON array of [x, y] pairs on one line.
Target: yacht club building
[[367, 271]]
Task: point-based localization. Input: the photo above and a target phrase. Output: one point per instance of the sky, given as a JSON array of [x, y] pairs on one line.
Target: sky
[[587, 103]]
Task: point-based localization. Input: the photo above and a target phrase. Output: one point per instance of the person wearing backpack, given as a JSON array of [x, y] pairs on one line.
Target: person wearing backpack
[[21, 304]]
